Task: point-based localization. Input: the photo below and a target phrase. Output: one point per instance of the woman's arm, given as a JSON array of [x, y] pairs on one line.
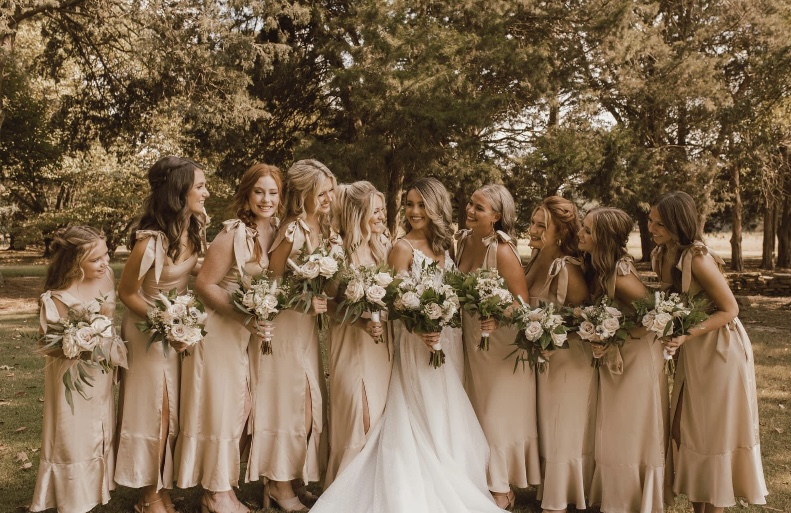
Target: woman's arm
[[510, 268], [129, 285], [577, 287], [400, 256]]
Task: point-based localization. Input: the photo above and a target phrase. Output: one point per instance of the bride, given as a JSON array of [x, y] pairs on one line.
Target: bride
[[427, 454]]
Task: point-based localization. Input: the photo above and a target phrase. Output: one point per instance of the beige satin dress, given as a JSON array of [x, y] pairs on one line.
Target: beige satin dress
[[281, 448], [508, 418], [631, 422], [216, 380], [150, 376], [77, 458], [719, 455], [567, 393]]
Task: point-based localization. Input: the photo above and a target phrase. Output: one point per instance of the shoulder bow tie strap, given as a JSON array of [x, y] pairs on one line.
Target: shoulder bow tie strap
[[243, 242], [48, 312], [154, 253], [623, 267], [559, 271], [685, 262]]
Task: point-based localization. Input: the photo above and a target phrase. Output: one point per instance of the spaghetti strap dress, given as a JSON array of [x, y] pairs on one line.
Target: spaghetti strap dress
[[509, 420]]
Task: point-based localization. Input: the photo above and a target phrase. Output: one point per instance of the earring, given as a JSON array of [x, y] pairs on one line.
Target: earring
[[557, 242]]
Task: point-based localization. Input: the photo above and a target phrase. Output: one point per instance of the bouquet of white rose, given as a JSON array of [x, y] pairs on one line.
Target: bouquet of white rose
[[427, 304], [540, 329], [483, 291], [366, 288], [602, 324], [261, 299], [89, 339], [671, 315], [175, 319], [309, 277]]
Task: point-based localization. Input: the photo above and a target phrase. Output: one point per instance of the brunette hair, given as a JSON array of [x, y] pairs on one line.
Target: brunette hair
[[171, 179], [354, 206], [437, 204], [501, 202], [239, 202], [610, 233], [563, 214], [303, 180], [69, 248]]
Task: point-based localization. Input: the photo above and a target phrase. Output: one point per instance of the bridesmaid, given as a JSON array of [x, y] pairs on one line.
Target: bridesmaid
[[77, 460], [567, 389], [716, 456], [488, 243], [164, 251], [289, 439], [216, 379], [359, 368], [631, 419]]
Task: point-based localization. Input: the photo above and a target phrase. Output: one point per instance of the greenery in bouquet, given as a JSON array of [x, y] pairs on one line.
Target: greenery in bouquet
[[366, 288], [539, 330], [175, 319], [483, 292], [261, 299], [309, 277], [671, 315], [601, 323]]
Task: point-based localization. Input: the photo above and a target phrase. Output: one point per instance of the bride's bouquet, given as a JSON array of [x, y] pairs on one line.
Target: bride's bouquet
[[427, 304], [262, 299], [175, 319], [366, 288], [671, 315], [483, 292], [89, 340], [540, 329], [602, 324], [310, 275]]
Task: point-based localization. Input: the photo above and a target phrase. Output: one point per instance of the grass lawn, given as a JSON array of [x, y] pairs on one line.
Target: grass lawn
[[768, 321]]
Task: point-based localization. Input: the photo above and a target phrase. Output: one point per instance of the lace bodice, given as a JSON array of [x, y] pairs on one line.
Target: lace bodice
[[420, 259]]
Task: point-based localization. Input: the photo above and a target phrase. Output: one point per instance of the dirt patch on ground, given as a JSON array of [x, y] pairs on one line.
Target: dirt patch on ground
[[19, 295]]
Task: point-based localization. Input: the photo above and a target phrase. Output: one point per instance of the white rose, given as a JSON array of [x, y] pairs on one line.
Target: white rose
[[611, 324], [536, 314], [505, 296], [533, 331], [614, 312], [185, 300], [269, 302], [178, 333], [177, 310], [200, 317], [328, 266], [648, 320], [355, 290], [375, 294], [587, 330], [102, 325], [433, 311], [449, 309], [660, 322], [85, 338], [410, 300], [383, 279], [310, 270], [69, 346], [193, 336], [558, 338]]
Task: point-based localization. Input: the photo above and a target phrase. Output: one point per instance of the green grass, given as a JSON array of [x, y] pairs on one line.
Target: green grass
[[17, 270]]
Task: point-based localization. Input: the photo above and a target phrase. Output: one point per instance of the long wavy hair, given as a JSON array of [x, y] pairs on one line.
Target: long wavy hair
[[562, 213], [610, 233], [240, 201], [501, 202], [165, 207], [353, 207], [437, 203], [304, 180], [69, 246]]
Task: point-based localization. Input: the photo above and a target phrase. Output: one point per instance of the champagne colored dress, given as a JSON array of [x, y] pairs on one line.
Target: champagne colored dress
[[77, 457], [508, 418], [631, 422], [719, 455], [215, 382], [567, 392], [281, 448], [150, 376], [359, 372]]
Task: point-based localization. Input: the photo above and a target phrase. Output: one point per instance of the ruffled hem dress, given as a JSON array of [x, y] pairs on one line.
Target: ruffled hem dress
[[718, 458], [77, 457], [631, 422], [151, 375], [567, 394], [508, 418]]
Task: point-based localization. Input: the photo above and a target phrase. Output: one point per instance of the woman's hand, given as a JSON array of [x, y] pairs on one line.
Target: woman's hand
[[179, 346], [672, 344], [430, 339], [599, 350], [318, 305], [374, 329], [488, 324]]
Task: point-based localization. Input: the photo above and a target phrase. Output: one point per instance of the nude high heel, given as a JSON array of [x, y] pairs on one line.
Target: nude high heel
[[290, 505], [142, 506]]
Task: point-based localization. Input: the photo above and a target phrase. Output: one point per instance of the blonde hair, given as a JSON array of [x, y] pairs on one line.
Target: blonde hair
[[562, 213], [502, 203], [69, 247], [437, 204], [304, 180], [610, 233], [353, 207]]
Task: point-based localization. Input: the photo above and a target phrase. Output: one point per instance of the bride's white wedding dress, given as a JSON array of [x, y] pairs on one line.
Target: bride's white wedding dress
[[427, 454]]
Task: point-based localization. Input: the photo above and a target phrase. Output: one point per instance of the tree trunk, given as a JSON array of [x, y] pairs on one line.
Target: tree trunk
[[461, 206], [737, 263], [646, 242], [770, 233], [395, 186], [784, 234]]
